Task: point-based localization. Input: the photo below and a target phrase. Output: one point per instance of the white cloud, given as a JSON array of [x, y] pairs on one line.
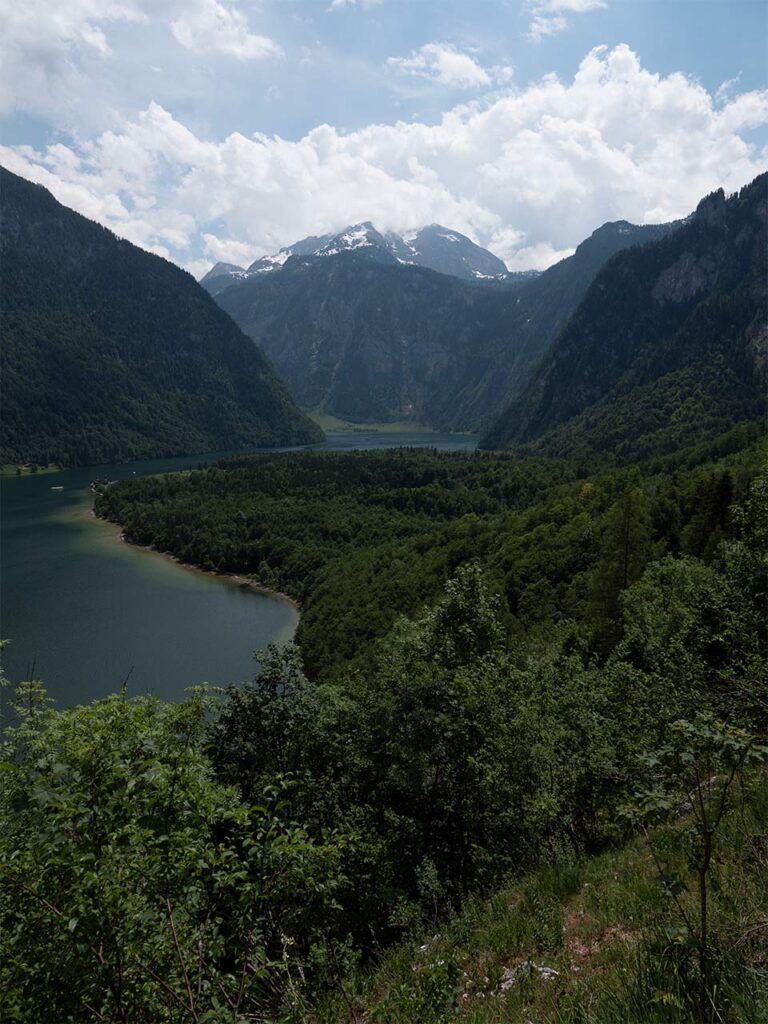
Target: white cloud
[[536, 257], [542, 26], [509, 244], [531, 172], [443, 63], [226, 250], [726, 89], [45, 45], [338, 5], [50, 48], [209, 26], [549, 16]]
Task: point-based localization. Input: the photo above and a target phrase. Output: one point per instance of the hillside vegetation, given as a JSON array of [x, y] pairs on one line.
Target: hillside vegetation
[[667, 348], [596, 941], [360, 538], [111, 354], [243, 857], [583, 665]]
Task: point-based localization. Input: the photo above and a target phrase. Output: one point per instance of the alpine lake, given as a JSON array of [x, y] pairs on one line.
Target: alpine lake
[[88, 614]]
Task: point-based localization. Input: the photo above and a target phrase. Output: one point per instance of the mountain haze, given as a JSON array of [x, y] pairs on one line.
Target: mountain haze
[[110, 353]]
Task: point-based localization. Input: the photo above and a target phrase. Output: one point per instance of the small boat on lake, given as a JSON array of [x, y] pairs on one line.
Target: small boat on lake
[[59, 487]]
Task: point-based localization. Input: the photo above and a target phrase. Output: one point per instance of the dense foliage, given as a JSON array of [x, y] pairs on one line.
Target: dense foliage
[[361, 538], [110, 353], [538, 632], [135, 887], [468, 756], [167, 866], [601, 940], [292, 520]]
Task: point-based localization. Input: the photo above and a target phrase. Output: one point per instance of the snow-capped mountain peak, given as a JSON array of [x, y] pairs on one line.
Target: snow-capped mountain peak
[[434, 246]]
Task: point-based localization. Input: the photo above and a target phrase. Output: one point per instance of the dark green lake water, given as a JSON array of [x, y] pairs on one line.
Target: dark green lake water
[[84, 611]]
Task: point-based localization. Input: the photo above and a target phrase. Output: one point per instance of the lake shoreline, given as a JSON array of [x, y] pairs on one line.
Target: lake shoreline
[[18, 469], [88, 607], [224, 577]]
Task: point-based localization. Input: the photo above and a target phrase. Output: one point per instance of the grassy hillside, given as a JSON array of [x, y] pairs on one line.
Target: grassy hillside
[[595, 941]]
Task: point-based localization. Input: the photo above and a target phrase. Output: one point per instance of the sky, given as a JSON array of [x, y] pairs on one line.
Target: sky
[[207, 130]]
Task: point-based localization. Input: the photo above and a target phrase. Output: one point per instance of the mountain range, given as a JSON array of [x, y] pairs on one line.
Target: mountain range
[[110, 353], [645, 340], [360, 333], [433, 246]]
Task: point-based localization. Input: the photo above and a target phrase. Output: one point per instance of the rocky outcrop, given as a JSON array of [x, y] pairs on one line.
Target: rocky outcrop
[[689, 276]]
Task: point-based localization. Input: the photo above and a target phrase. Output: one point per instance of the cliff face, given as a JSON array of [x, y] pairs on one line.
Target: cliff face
[[110, 353], [665, 344], [364, 337]]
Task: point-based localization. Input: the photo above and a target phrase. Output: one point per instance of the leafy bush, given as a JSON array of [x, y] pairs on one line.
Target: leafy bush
[[136, 887]]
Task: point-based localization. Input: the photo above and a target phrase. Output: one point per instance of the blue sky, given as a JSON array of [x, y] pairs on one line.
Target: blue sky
[[192, 127]]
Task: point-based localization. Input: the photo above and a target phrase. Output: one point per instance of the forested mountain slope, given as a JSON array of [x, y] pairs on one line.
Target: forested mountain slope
[[110, 353], [667, 347], [364, 337]]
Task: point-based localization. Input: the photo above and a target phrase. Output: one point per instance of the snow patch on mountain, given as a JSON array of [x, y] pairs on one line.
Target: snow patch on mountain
[[433, 246]]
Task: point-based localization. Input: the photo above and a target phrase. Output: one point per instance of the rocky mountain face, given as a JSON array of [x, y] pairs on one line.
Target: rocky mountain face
[[447, 252], [667, 347], [361, 333], [435, 247], [110, 353]]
